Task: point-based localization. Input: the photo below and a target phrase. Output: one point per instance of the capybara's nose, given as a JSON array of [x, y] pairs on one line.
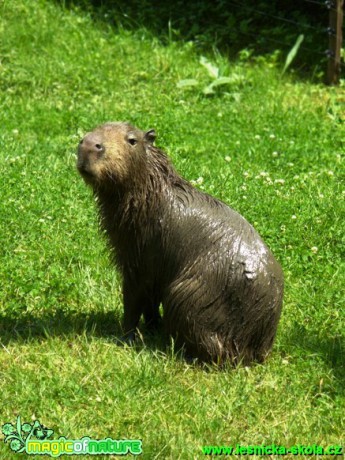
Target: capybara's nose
[[91, 144], [90, 149]]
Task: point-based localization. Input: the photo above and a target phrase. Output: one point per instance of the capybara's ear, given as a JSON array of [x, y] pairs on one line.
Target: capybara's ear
[[150, 136]]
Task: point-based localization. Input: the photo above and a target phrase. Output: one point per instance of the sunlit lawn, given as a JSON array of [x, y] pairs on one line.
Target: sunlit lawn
[[271, 147]]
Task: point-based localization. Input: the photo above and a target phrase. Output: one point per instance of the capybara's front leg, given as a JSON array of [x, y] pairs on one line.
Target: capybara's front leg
[[151, 314], [133, 309]]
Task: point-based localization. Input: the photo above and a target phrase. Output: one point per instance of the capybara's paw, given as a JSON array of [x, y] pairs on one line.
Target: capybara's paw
[[127, 339]]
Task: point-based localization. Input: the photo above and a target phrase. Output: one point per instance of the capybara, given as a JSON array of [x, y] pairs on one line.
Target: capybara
[[220, 286]]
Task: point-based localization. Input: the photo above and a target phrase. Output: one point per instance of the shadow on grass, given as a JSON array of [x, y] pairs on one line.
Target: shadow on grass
[[70, 324], [59, 323], [330, 349], [107, 325], [263, 27]]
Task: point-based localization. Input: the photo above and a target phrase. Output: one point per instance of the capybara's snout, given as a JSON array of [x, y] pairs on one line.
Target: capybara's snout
[[90, 149]]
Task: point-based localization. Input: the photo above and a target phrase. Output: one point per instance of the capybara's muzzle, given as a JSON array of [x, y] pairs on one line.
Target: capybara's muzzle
[[90, 149]]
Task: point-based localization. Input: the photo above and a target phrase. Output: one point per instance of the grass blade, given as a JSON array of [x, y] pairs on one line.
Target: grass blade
[[188, 83], [292, 53]]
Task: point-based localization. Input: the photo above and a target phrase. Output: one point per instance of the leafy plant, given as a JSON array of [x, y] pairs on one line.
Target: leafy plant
[[218, 81]]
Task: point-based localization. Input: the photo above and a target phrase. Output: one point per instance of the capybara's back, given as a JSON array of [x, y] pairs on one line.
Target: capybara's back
[[220, 286]]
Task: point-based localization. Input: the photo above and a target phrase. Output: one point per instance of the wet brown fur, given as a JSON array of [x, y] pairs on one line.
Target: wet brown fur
[[220, 286]]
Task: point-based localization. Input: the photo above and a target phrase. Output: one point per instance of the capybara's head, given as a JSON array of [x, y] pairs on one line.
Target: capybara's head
[[112, 153]]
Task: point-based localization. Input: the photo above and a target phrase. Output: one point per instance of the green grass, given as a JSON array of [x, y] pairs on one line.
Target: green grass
[[271, 147]]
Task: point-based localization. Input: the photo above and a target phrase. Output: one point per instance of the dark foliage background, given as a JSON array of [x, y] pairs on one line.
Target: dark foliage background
[[228, 25]]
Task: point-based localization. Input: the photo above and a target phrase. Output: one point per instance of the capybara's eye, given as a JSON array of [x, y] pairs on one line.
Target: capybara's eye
[[132, 141]]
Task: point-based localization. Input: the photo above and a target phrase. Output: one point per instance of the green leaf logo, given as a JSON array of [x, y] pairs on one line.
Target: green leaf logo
[[17, 435]]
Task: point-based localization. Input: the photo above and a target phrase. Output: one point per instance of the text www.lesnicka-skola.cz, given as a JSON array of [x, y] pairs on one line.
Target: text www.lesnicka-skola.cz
[[273, 449]]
